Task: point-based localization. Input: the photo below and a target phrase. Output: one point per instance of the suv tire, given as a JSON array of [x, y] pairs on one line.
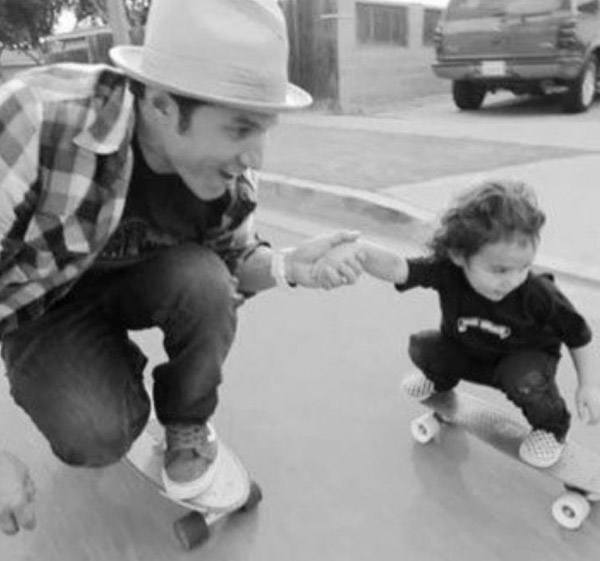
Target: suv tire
[[581, 92], [468, 95]]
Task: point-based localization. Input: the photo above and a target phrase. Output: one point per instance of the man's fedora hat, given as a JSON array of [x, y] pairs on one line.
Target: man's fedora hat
[[233, 52]]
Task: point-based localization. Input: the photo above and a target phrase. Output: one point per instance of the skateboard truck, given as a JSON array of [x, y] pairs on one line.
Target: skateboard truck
[[231, 491], [577, 468]]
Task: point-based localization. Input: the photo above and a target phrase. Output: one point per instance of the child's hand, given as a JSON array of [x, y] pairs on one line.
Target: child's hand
[[340, 265], [587, 399]]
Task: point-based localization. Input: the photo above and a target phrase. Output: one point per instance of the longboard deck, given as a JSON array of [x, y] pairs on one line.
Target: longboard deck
[[229, 491], [578, 467]]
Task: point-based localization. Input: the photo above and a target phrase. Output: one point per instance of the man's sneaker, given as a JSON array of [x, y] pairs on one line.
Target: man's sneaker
[[417, 386], [541, 449], [190, 460]]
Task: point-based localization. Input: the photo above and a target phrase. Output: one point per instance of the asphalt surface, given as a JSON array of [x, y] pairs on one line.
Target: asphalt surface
[[396, 171]]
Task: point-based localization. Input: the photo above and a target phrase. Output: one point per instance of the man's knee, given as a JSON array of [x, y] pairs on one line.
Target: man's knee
[[97, 448], [96, 440], [201, 280]]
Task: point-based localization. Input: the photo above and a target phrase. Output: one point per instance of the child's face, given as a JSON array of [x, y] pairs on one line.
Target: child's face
[[500, 267]]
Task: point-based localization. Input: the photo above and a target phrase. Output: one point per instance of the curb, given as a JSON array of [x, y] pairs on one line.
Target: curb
[[382, 215]]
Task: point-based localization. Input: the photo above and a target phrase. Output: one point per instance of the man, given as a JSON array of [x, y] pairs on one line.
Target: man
[[126, 202]]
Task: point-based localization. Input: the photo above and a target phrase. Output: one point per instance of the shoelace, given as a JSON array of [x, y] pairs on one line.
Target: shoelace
[[196, 437]]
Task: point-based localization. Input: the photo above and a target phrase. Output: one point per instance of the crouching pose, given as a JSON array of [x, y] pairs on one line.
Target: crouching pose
[[502, 325], [127, 201]]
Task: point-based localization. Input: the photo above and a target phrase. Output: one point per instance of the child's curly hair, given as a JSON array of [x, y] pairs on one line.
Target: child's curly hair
[[491, 211]]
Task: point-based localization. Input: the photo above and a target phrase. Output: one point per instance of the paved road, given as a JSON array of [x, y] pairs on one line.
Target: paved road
[[311, 403], [421, 155]]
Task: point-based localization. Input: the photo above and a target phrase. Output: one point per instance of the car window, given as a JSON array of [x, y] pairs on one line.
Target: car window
[[523, 7], [471, 9], [587, 6]]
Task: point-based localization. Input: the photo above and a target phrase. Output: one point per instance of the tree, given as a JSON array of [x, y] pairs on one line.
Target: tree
[[137, 10], [24, 22]]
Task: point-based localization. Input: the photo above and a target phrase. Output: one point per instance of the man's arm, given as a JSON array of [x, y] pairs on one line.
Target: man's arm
[[20, 122], [259, 270]]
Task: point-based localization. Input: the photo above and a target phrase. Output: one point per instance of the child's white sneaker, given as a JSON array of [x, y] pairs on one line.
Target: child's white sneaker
[[418, 386], [541, 449]]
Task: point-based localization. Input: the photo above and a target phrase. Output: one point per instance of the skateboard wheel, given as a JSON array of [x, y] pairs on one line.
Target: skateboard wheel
[[425, 428], [191, 530], [254, 497], [570, 510]]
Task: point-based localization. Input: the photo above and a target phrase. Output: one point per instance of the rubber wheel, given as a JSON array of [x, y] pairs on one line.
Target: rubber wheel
[[468, 95], [582, 91], [254, 497], [570, 510], [425, 428], [191, 530]]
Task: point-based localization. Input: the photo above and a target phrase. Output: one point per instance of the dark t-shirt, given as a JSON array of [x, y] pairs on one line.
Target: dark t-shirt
[[536, 315], [160, 211]]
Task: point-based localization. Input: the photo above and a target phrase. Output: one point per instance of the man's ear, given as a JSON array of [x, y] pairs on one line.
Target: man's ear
[[161, 102]]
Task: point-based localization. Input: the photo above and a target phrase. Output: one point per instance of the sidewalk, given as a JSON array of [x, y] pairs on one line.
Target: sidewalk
[[379, 174]]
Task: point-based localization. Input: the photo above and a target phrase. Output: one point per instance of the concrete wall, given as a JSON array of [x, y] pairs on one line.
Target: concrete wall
[[383, 74]]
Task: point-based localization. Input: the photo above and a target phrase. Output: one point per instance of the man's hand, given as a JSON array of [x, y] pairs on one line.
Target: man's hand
[[299, 262], [17, 492], [340, 265]]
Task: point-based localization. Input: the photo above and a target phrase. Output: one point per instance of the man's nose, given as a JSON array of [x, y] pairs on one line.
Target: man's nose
[[252, 157]]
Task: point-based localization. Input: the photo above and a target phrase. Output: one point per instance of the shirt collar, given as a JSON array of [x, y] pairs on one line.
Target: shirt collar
[[108, 127]]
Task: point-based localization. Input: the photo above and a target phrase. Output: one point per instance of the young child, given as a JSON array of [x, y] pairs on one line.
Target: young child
[[502, 325]]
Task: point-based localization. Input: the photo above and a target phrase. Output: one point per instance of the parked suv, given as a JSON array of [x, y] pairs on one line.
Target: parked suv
[[525, 46]]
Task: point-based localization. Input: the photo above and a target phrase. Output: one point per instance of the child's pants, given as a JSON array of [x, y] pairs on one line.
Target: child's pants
[[79, 377], [526, 377]]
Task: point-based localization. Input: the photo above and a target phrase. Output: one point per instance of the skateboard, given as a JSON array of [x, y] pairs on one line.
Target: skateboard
[[231, 491], [578, 467]]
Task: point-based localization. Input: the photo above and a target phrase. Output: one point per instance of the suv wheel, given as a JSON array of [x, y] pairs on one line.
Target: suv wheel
[[468, 95], [581, 92]]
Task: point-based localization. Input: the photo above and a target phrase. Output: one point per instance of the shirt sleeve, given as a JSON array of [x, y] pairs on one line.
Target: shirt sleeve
[[20, 122], [240, 240], [426, 272], [560, 314]]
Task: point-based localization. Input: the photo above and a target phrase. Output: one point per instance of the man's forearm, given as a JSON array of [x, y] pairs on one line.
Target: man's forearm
[[254, 273]]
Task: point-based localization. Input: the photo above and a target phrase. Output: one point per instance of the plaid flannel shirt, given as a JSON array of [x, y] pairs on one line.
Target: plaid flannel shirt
[[65, 165]]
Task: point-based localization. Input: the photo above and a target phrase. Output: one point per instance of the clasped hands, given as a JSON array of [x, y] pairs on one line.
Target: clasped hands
[[327, 261]]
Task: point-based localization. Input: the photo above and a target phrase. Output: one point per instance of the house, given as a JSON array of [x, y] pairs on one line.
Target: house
[[355, 54]]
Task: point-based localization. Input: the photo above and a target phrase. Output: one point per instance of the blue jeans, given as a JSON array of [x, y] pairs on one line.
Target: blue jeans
[[79, 376], [526, 377]]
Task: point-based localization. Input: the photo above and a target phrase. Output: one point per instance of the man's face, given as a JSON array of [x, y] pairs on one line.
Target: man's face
[[219, 144]]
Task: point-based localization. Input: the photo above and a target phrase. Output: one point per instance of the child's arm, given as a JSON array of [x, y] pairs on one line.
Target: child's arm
[[374, 259], [587, 396], [383, 263]]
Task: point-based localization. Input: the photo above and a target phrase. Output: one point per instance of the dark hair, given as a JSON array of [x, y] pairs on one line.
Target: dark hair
[[492, 211], [186, 105]]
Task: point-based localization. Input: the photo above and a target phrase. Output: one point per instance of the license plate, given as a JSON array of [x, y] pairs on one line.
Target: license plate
[[493, 68]]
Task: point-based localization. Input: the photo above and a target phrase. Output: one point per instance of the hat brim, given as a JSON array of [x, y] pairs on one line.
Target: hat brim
[[129, 59]]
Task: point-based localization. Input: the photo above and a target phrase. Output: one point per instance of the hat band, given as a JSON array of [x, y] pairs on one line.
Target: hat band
[[199, 77]]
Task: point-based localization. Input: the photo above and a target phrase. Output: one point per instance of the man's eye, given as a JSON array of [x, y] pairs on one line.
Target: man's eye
[[241, 132]]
